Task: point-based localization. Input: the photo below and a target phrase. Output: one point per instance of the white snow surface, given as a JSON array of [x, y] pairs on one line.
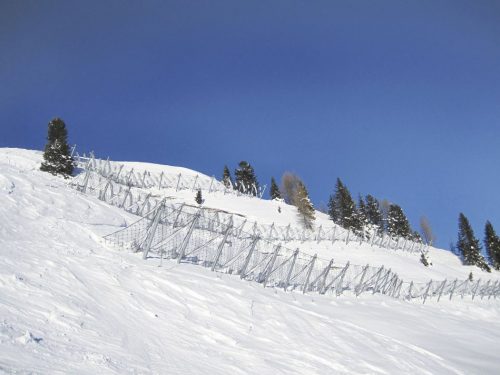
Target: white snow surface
[[69, 304]]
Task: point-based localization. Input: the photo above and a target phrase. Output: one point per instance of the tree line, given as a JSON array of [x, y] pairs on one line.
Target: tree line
[[363, 218]]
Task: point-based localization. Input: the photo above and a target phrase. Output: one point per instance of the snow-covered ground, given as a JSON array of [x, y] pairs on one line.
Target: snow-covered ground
[[69, 304], [445, 265]]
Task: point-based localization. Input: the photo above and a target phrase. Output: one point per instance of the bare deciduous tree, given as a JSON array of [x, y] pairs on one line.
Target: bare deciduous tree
[[294, 192], [426, 230], [289, 185]]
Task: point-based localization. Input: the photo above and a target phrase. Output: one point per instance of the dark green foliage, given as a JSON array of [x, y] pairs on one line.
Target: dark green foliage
[[275, 190], [416, 237], [373, 213], [226, 178], [57, 157], [362, 222], [362, 214], [334, 203], [245, 179], [468, 245], [342, 209], [198, 198], [397, 223], [492, 245], [332, 209], [304, 206]]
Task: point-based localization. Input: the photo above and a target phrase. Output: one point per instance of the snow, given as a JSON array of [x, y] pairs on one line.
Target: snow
[[69, 304], [445, 265]]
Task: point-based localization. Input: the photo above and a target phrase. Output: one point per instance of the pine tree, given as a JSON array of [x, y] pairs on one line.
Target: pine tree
[[416, 237], [362, 222], [468, 245], [373, 213], [57, 157], [332, 209], [198, 198], [362, 212], [492, 245], [397, 223], [226, 178], [342, 209], [245, 179], [275, 191], [304, 206]]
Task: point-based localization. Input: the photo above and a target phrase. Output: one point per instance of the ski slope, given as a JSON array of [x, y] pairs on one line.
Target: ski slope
[[69, 304]]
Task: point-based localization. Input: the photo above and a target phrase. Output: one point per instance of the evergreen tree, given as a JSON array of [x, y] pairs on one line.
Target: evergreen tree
[[468, 245], [362, 214], [492, 245], [275, 190], [416, 237], [362, 222], [397, 223], [342, 209], [57, 157], [226, 178], [332, 209], [373, 213], [304, 206], [245, 179], [198, 198]]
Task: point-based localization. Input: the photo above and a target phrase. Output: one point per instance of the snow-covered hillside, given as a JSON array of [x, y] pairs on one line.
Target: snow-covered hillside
[[70, 304], [445, 265]]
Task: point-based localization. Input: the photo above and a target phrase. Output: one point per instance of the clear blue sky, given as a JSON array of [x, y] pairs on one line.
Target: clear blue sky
[[401, 99]]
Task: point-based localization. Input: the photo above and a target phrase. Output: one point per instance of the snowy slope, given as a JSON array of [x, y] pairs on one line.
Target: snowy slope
[[445, 265], [68, 304]]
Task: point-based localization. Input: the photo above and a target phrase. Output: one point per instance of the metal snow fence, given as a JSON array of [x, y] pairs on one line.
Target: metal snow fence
[[263, 262], [176, 233], [145, 179], [139, 202], [148, 180]]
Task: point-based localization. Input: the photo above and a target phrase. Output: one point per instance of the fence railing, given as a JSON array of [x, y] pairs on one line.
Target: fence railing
[[195, 236], [114, 184], [148, 180], [230, 244], [139, 202]]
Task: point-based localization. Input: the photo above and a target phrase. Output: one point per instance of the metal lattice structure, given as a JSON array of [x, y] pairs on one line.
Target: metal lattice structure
[[230, 244], [198, 237], [148, 180], [101, 179]]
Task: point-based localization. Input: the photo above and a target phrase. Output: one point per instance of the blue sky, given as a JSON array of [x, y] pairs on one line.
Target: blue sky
[[400, 99]]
